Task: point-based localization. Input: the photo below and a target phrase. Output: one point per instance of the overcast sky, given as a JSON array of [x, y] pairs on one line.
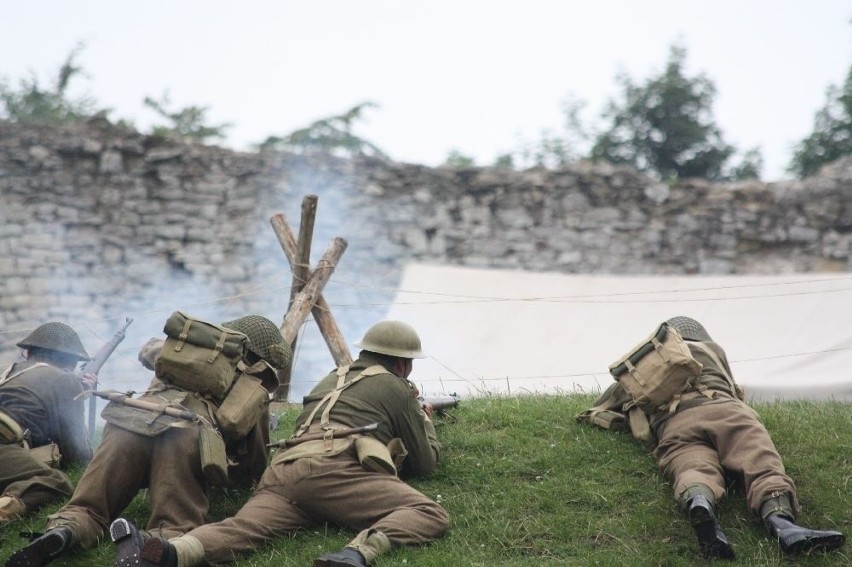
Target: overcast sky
[[481, 77]]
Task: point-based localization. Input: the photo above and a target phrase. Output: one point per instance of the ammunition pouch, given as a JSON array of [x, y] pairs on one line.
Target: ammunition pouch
[[245, 402], [10, 432], [214, 460], [374, 455]]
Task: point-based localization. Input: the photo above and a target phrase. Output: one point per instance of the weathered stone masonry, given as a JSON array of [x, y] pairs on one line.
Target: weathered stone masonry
[[94, 219]]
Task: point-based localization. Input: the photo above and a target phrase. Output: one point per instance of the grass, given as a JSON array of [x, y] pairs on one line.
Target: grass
[[525, 484]]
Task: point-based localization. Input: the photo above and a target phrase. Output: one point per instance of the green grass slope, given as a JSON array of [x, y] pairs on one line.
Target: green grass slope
[[525, 484]]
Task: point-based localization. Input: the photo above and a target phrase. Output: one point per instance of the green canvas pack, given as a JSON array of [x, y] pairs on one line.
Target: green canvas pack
[[199, 356], [656, 369]]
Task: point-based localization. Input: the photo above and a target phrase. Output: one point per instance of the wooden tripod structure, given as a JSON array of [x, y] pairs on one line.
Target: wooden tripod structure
[[306, 291]]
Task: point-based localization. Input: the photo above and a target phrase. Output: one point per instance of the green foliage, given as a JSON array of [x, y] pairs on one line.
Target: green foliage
[[750, 166], [188, 123], [32, 103], [458, 160], [832, 133], [664, 126], [526, 485], [328, 135], [555, 148]]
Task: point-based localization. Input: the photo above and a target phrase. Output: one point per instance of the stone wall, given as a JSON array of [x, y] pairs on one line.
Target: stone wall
[[98, 223]]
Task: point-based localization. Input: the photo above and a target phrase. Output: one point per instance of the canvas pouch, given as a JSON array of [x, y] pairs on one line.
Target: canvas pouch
[[242, 407], [199, 356], [656, 369], [214, 460], [374, 455]]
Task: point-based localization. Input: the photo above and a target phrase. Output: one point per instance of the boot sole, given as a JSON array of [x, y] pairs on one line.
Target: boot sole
[[817, 544], [38, 553], [709, 543]]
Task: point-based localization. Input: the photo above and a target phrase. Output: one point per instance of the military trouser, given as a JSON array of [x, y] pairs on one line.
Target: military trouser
[[336, 489], [35, 483], [125, 462], [701, 444]]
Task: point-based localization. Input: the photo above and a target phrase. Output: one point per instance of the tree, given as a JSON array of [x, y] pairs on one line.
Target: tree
[[458, 160], [665, 126], [186, 123], [750, 166], [333, 134], [34, 104], [832, 134]]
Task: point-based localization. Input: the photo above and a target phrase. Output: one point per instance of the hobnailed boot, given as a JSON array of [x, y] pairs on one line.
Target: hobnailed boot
[[346, 557], [711, 539], [796, 539], [136, 550], [43, 549]]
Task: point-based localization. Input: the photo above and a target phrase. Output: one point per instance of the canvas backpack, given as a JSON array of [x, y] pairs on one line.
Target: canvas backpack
[[199, 356], [657, 369]]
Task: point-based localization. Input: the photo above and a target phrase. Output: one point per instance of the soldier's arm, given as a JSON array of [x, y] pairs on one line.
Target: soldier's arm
[[70, 433]]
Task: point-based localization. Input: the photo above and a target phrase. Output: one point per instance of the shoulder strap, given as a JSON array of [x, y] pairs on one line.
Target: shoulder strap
[[736, 389], [8, 376], [328, 401]]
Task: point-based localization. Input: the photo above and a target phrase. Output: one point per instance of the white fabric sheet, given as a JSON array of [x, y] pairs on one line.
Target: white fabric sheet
[[509, 332]]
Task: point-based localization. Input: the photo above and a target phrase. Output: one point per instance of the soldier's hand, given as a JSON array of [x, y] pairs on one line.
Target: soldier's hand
[[90, 381], [427, 409]]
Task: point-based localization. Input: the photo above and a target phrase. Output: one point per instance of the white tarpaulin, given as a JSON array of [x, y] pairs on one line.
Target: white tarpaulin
[[512, 332]]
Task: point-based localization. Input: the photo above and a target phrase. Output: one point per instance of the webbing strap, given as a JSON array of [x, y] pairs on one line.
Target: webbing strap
[[328, 401], [6, 375], [735, 389]]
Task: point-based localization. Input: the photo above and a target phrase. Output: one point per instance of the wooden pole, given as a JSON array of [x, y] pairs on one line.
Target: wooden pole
[[300, 266], [321, 310], [305, 299]]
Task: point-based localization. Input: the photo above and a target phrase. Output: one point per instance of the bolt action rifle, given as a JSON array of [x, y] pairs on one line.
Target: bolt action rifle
[[440, 404], [94, 364]]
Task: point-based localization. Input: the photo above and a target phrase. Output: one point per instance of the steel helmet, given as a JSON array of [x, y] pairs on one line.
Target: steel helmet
[[56, 336], [393, 338], [264, 339], [689, 328]]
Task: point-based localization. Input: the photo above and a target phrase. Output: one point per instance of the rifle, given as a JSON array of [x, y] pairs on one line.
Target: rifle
[[440, 404], [94, 364], [122, 398], [335, 434]]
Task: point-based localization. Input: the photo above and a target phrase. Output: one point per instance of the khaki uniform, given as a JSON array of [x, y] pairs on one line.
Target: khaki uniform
[[710, 432], [319, 486], [40, 398], [162, 455]]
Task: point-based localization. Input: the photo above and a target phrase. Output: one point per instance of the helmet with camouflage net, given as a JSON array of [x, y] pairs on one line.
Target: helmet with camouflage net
[[56, 336], [264, 339], [393, 338], [689, 328]]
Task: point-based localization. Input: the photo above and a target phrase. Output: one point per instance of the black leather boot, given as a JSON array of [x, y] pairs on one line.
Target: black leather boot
[[136, 550], [796, 539], [711, 539], [43, 549], [346, 557]]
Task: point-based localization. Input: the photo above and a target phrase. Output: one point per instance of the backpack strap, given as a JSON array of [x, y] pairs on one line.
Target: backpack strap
[[736, 389], [328, 401], [8, 376]]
